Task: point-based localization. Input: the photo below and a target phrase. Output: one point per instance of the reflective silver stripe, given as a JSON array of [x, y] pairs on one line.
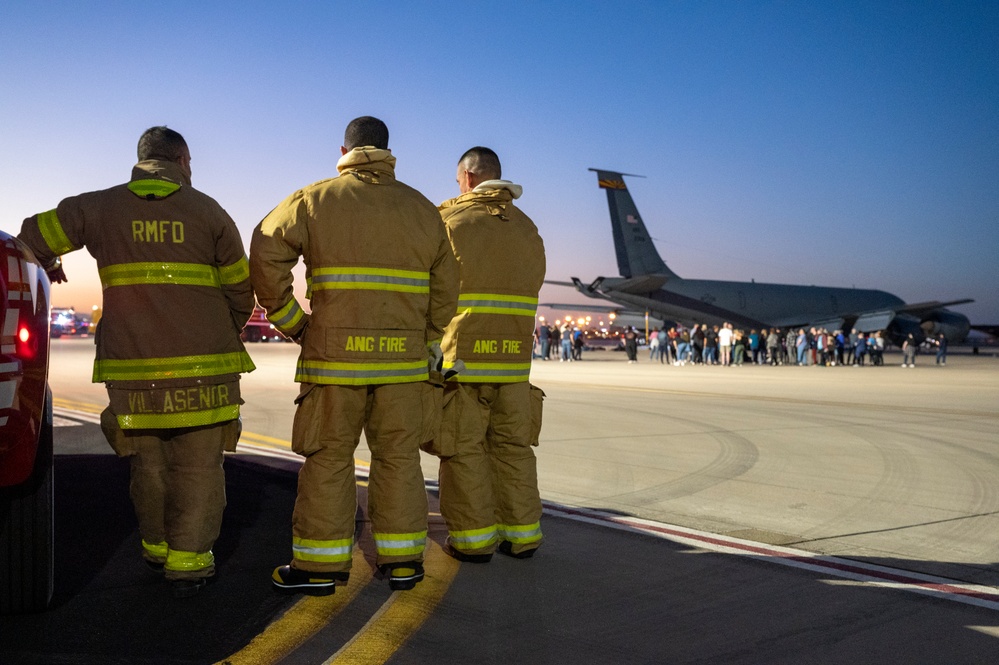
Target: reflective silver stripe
[[497, 303], [382, 279], [287, 316], [497, 372], [472, 538], [521, 533], [400, 544], [315, 371]]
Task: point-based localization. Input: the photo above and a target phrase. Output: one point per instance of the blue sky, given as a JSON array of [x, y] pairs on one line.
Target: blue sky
[[840, 144]]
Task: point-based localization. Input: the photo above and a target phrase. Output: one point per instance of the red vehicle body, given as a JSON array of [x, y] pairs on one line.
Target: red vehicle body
[[26, 536], [259, 329]]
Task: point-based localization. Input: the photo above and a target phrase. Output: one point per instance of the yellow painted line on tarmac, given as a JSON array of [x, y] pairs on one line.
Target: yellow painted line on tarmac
[[401, 615], [85, 407], [303, 620]]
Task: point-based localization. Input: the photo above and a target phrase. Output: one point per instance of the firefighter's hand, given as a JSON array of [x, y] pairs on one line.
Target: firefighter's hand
[[55, 272]]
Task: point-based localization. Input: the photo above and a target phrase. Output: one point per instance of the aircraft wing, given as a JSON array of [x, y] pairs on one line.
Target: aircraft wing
[[602, 309], [920, 308]]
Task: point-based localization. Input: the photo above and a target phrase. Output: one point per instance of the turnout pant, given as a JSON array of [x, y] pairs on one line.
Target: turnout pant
[[178, 490], [488, 472], [328, 426]]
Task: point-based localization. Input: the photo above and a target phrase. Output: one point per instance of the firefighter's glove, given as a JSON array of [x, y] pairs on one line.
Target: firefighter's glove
[[435, 360], [55, 272], [454, 370]]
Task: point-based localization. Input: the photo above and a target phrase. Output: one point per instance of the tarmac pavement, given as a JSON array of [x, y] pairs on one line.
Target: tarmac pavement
[[674, 559]]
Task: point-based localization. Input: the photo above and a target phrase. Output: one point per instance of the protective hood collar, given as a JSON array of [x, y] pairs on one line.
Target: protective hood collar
[[515, 190], [159, 168], [367, 155]]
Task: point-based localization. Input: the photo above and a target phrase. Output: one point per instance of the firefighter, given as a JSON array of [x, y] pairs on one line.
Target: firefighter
[[382, 284], [176, 295], [492, 414]]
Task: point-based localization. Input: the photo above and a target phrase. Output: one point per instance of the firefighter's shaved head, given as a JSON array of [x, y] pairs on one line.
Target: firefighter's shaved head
[[366, 131], [482, 162], [161, 143]]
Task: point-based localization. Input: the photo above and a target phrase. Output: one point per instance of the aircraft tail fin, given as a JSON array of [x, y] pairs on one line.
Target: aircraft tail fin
[[636, 254]]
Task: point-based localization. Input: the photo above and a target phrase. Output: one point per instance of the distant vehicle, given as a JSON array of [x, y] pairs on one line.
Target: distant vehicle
[[26, 536], [259, 329], [646, 284], [64, 322]]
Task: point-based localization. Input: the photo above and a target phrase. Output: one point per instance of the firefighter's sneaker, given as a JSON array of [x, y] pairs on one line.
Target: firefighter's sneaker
[[186, 588], [506, 547], [292, 580], [454, 553], [404, 575]]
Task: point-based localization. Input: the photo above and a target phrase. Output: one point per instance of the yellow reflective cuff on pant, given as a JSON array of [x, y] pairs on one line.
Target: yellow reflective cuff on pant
[[157, 551], [159, 189], [51, 230], [180, 367], [377, 279], [322, 551], [188, 561], [189, 274], [177, 420], [361, 373], [520, 533], [497, 303], [471, 539], [400, 544], [287, 316], [492, 372], [235, 273]]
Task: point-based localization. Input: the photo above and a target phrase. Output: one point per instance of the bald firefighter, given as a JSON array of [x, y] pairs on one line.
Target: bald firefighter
[[176, 296], [492, 415], [382, 285]]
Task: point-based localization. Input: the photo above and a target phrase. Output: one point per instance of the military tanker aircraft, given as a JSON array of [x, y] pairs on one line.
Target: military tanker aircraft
[[646, 284]]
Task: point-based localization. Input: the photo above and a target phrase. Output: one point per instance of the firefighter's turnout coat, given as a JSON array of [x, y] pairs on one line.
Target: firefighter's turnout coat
[[176, 294], [488, 474], [382, 284]]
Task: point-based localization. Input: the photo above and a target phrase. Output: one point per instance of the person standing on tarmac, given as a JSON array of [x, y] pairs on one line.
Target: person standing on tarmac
[[176, 296], [383, 284], [492, 415]]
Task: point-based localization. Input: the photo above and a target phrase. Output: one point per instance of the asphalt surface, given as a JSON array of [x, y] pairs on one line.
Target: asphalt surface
[[606, 587]]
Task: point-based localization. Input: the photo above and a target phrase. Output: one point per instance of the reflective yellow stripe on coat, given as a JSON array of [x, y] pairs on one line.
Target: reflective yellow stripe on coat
[[180, 367], [180, 419], [287, 316], [189, 274], [361, 373], [499, 372], [497, 303], [377, 279], [53, 233]]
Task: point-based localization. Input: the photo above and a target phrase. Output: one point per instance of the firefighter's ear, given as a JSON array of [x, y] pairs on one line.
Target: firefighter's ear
[[343, 151]]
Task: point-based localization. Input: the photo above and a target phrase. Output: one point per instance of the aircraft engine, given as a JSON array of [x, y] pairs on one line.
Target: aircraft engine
[[954, 326]]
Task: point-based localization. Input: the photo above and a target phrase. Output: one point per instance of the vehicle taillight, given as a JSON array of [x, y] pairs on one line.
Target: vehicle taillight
[[27, 345]]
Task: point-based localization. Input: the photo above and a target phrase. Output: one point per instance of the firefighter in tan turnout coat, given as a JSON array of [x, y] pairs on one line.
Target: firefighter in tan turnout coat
[[176, 296], [382, 284], [492, 415]]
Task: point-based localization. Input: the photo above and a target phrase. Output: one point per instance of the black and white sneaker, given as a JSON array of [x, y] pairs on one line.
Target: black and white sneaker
[[292, 580]]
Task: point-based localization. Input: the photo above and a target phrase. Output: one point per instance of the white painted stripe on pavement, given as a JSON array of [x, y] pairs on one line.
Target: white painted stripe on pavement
[[79, 416], [867, 573]]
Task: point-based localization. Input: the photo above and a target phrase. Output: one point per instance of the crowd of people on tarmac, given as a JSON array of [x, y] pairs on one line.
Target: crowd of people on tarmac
[[726, 345]]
